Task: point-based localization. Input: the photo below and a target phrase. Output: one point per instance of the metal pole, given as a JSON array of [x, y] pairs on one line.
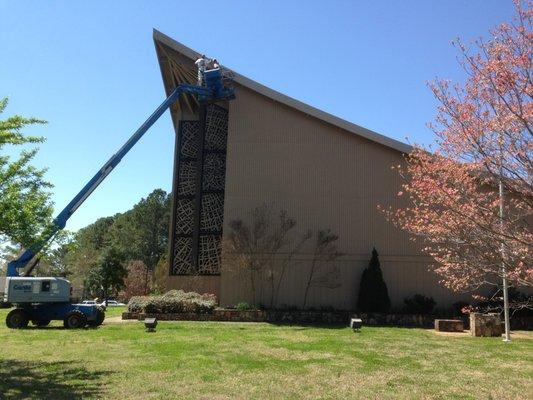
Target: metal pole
[[507, 337]]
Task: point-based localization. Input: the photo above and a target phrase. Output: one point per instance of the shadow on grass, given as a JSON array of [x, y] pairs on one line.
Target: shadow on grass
[[58, 327], [306, 326], [49, 380]]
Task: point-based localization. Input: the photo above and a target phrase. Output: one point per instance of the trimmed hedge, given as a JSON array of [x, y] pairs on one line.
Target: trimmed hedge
[[174, 301]]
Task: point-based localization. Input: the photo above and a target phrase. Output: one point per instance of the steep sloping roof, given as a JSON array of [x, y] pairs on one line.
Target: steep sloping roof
[[289, 101]]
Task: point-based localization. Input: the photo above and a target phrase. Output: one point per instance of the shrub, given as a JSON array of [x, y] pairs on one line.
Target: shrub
[[520, 304], [137, 303], [458, 306], [419, 304], [243, 306], [174, 301], [373, 293]]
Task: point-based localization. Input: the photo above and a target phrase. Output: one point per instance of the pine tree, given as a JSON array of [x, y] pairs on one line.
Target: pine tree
[[373, 293]]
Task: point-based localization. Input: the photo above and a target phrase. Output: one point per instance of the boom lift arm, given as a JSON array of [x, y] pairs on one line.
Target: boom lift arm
[[213, 91]]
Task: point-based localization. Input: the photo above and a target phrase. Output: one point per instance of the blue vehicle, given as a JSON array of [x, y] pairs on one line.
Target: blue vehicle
[[43, 299]]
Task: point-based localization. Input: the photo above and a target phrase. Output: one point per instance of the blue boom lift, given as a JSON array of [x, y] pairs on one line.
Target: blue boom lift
[[42, 299]]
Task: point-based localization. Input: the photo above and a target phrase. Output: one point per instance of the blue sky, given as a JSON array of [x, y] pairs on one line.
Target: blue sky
[[90, 69]]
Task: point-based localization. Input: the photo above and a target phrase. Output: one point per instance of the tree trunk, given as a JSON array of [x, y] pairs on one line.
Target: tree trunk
[[252, 283], [309, 280]]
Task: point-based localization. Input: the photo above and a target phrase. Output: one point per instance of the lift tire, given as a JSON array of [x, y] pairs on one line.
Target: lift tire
[[17, 319], [75, 320], [40, 323], [100, 316]]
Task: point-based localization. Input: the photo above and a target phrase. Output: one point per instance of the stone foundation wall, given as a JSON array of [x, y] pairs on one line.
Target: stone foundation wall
[[522, 323], [449, 325], [317, 317], [287, 317]]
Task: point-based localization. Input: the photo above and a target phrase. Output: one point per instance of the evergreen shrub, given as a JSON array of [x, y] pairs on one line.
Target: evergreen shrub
[[373, 293]]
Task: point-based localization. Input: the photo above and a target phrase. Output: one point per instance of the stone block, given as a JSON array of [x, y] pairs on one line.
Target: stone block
[[130, 315], [449, 325], [356, 323], [485, 324]]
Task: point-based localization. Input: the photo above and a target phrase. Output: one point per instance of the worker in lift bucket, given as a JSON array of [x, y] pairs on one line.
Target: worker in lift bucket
[[226, 74], [202, 64], [214, 64]]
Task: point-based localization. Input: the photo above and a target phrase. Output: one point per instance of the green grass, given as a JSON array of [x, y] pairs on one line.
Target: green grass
[[210, 360], [115, 311]]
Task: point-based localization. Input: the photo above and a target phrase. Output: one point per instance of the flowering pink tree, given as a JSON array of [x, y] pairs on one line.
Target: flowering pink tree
[[138, 281], [477, 233]]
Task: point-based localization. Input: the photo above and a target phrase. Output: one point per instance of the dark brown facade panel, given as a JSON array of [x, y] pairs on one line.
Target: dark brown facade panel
[[198, 198]]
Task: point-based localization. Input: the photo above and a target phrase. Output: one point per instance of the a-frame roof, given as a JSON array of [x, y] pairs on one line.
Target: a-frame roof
[[289, 101]]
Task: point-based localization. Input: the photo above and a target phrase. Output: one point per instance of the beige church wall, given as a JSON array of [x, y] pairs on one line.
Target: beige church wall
[[326, 178], [404, 277]]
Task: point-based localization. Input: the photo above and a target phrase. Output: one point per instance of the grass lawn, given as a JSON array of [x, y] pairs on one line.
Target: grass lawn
[[115, 311], [210, 360]]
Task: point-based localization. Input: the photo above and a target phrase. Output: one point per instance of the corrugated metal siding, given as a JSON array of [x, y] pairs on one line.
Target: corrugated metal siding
[[325, 178]]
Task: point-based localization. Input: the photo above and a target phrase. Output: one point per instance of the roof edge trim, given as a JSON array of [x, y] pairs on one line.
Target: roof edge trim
[[291, 102]]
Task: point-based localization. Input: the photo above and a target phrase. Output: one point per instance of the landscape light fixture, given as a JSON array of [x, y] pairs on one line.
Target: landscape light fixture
[[150, 324], [356, 324]]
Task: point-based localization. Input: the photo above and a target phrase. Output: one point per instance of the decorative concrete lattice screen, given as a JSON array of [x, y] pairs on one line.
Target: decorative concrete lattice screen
[[199, 194]]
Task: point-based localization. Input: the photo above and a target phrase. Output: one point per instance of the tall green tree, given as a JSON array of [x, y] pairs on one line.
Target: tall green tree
[[82, 253], [142, 232], [25, 204], [106, 277], [53, 258]]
